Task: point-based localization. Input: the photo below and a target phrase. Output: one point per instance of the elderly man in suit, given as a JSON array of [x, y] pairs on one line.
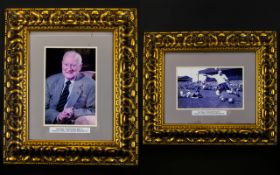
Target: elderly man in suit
[[70, 94]]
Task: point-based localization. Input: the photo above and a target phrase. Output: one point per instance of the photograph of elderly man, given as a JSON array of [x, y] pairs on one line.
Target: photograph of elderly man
[[70, 94]]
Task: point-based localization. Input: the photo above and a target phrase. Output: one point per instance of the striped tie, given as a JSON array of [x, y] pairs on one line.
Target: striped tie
[[63, 97]]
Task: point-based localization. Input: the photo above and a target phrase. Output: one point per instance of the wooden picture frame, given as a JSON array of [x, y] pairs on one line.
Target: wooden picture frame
[[119, 145], [196, 117]]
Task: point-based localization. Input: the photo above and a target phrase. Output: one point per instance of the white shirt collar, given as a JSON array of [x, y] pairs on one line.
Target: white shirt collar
[[65, 80]]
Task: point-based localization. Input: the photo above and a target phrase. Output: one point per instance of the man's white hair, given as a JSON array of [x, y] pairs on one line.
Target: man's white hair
[[73, 54]]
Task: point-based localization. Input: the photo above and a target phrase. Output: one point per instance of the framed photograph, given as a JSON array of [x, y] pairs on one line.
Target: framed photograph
[[203, 88], [71, 86], [210, 87]]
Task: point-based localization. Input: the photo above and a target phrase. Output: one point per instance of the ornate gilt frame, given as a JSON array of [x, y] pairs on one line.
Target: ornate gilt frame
[[156, 44], [123, 149]]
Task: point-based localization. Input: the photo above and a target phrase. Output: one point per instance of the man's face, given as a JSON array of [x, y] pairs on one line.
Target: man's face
[[70, 67], [220, 72]]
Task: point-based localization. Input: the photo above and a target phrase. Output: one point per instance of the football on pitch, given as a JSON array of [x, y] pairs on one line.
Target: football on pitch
[[231, 100]]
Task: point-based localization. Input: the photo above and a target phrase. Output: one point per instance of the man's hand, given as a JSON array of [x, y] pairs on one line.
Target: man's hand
[[65, 114], [68, 111]]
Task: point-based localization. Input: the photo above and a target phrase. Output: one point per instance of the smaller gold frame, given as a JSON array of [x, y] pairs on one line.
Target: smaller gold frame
[[157, 44], [17, 147]]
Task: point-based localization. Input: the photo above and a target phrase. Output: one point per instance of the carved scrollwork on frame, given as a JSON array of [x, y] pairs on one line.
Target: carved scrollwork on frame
[[156, 44], [124, 149]]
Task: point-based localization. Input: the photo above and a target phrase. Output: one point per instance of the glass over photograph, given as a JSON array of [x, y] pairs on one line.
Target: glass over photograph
[[210, 87], [70, 87]]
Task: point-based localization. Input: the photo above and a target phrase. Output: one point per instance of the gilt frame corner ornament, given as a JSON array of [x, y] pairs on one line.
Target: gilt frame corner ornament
[[17, 147], [261, 43]]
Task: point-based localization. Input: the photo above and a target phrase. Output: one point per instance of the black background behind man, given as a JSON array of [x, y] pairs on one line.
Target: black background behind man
[[173, 15]]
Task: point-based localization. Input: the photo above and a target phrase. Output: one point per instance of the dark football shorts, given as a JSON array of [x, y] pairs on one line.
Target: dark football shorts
[[223, 87]]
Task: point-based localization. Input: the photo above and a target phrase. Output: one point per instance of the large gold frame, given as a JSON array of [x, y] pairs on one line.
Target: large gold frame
[[263, 43], [123, 149]]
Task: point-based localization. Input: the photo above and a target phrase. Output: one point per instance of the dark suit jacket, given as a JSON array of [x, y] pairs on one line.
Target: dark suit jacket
[[82, 97]]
